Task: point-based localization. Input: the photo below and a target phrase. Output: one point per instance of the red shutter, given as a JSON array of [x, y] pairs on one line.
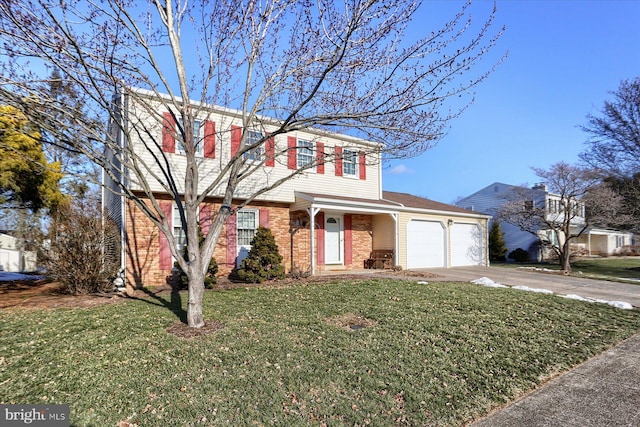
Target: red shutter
[[291, 152], [205, 219], [363, 164], [264, 218], [320, 157], [338, 161], [209, 139], [168, 133], [166, 260], [236, 137], [270, 152], [348, 240], [319, 219], [232, 247]]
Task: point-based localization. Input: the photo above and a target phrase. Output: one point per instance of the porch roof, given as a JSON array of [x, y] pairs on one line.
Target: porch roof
[[343, 203]]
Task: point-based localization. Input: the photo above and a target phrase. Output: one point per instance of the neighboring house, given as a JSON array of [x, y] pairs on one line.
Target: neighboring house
[[330, 217], [594, 241], [14, 260]]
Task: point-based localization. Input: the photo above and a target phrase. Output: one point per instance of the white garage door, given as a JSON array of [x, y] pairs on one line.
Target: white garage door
[[466, 245], [425, 244]]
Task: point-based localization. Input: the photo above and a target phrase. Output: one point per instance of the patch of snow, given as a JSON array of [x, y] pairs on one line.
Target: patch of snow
[[620, 304], [526, 288], [6, 276], [485, 281], [544, 270]]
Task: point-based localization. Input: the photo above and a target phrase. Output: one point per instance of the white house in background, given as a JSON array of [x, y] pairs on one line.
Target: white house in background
[[14, 260], [594, 241]]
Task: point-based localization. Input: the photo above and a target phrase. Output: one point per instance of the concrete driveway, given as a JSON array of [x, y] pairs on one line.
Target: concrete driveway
[[560, 284]]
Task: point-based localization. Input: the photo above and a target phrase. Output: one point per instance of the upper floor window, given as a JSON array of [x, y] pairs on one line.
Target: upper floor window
[[197, 140], [253, 138], [528, 205], [349, 162], [305, 153]]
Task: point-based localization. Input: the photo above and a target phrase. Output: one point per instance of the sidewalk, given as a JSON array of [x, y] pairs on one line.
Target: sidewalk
[[604, 391]]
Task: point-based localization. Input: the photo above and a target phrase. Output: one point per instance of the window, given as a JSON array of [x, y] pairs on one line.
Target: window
[[349, 162], [197, 140], [247, 226], [178, 232], [252, 139], [305, 153], [528, 205]]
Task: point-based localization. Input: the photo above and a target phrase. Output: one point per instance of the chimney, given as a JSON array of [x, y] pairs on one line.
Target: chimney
[[540, 186]]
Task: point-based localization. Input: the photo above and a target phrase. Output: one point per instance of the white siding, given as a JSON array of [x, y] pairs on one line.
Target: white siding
[[310, 182]]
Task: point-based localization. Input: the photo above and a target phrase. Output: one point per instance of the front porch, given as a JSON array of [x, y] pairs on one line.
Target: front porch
[[342, 232]]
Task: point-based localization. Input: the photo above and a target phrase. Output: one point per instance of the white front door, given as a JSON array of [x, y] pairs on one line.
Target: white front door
[[333, 240]]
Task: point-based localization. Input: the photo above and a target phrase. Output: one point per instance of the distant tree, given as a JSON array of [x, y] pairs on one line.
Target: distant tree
[[614, 148], [264, 261], [27, 179], [628, 188], [581, 202], [614, 145], [497, 246]]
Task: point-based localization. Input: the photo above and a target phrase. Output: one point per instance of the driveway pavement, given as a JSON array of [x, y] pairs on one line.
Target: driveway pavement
[[560, 284]]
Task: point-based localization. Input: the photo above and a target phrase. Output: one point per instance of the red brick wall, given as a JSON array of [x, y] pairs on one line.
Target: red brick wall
[[143, 247], [290, 229], [362, 226]]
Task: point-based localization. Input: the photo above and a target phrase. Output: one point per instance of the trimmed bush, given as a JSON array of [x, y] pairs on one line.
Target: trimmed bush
[[519, 255], [264, 261]]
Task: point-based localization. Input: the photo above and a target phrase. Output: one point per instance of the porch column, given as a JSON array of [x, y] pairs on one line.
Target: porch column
[[312, 229], [396, 240]]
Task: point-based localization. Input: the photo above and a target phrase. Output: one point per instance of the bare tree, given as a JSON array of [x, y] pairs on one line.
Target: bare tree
[[558, 212], [614, 146], [343, 66]]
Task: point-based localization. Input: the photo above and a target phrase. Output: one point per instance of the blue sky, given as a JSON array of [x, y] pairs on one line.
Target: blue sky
[[564, 59]]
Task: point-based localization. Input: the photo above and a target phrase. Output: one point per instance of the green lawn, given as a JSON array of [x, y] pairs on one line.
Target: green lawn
[[613, 268], [436, 354]]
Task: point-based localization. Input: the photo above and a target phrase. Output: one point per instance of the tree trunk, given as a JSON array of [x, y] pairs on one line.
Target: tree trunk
[[565, 258], [195, 318]]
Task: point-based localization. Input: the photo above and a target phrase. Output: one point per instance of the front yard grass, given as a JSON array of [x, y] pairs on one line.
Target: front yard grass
[[612, 268], [378, 352]]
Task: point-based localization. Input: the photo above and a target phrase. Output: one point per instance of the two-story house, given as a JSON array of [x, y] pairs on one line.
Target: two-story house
[[330, 217], [593, 241]]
